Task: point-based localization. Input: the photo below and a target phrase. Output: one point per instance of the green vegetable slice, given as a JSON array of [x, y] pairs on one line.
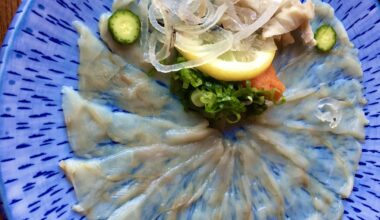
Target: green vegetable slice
[[124, 26], [325, 37]]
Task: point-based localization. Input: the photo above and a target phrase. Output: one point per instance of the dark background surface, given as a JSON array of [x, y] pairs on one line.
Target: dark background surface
[[7, 10]]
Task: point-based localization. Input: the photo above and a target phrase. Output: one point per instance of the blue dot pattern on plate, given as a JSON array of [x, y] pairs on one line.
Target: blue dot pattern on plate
[[40, 54]]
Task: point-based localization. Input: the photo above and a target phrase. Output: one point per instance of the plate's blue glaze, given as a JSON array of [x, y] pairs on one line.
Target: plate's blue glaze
[[40, 54]]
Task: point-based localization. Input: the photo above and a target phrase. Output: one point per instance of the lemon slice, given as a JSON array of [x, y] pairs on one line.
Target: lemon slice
[[234, 65]]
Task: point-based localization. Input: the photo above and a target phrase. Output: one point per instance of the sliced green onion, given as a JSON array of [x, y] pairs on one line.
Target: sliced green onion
[[208, 98], [196, 98], [235, 118], [218, 99]]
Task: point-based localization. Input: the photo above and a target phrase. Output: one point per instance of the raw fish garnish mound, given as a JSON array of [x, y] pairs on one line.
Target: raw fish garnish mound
[[150, 159]]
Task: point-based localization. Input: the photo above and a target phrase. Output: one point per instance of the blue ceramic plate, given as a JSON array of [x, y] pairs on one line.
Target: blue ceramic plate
[[40, 54]]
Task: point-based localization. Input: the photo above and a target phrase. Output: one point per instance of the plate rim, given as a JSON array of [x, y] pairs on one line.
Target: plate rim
[[5, 50], [5, 47]]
